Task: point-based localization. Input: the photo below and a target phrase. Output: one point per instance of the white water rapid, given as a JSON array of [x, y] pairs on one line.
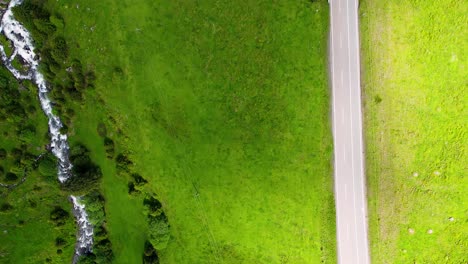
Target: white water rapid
[[85, 236], [23, 47]]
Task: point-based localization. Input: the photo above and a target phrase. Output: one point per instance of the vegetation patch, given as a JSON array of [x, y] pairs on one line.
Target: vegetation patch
[[34, 211], [415, 121], [224, 112], [19, 158], [102, 249]]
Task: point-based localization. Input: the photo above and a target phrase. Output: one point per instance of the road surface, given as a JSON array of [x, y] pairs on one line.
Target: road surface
[[350, 189]]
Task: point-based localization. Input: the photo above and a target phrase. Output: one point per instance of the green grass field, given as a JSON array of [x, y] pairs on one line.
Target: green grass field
[[223, 107], [416, 129]]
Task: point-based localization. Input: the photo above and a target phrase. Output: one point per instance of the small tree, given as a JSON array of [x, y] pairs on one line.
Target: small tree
[[159, 233]]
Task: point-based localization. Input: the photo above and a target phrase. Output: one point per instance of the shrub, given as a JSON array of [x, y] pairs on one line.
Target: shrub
[[59, 216], [100, 233], [95, 208], [32, 15], [159, 233], [86, 174], [153, 206], [131, 189], [123, 162], [3, 153], [59, 49], [5, 207], [88, 258], [139, 180], [44, 26], [60, 242], [103, 251], [11, 177], [109, 147], [150, 255], [377, 99]]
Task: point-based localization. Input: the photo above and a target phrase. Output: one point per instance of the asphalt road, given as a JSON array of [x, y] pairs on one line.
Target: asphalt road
[[350, 189]]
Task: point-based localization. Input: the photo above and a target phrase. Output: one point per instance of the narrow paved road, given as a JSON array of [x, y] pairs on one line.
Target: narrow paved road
[[350, 189]]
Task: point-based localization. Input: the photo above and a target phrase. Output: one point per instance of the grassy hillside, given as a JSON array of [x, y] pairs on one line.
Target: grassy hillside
[[416, 129], [223, 107], [29, 194]]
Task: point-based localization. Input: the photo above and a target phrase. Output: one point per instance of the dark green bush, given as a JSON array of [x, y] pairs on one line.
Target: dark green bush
[[11, 177], [86, 174], [89, 258], [60, 242], [35, 18], [59, 49], [5, 207], [123, 162], [59, 216], [139, 180], [3, 153], [44, 26], [131, 189], [109, 147], [94, 202], [150, 255], [102, 250], [153, 206]]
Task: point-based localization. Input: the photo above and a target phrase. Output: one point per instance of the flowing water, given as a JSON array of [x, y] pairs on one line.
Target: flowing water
[[23, 51]]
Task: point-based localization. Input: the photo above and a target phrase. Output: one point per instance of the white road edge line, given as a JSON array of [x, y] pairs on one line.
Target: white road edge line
[[342, 78], [347, 231], [341, 41], [342, 116]]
